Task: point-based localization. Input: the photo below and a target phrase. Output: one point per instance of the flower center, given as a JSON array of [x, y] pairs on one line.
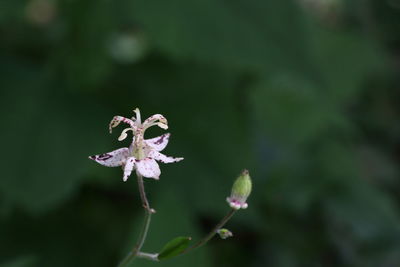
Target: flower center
[[139, 146], [139, 149]]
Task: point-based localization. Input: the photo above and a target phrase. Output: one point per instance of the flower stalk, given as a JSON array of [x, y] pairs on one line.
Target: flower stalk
[[213, 232], [143, 234]]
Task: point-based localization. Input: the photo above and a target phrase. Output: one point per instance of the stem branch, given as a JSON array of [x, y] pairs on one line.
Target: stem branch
[[211, 234]]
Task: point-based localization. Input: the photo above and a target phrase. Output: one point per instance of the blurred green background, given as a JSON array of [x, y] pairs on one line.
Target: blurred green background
[[303, 93]]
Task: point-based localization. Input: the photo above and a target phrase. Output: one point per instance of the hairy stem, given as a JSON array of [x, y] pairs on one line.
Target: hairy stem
[[142, 236], [211, 234]]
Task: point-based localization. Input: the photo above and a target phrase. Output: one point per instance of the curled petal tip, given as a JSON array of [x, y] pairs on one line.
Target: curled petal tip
[[122, 136], [162, 125]]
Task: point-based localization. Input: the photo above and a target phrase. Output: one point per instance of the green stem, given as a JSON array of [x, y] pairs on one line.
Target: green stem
[[142, 236], [211, 234]]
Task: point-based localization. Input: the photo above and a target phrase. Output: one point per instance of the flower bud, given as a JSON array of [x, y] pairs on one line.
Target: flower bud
[[241, 190], [224, 233]]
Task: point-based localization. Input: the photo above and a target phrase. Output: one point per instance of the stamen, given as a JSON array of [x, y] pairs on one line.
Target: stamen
[[138, 118], [156, 119], [159, 124], [117, 120], [124, 135]]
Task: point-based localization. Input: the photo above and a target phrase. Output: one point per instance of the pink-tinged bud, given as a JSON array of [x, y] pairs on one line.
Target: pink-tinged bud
[[241, 190]]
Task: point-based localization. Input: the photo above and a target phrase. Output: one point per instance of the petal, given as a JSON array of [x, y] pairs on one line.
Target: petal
[[112, 159], [130, 164], [118, 119], [148, 168], [161, 157], [158, 143]]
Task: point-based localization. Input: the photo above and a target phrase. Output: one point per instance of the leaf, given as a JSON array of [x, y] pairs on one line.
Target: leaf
[[174, 247]]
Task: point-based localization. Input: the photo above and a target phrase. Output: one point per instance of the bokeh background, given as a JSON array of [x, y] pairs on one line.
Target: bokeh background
[[303, 93]]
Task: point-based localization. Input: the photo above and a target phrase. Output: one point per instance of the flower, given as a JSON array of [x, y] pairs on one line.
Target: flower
[[141, 154], [241, 190]]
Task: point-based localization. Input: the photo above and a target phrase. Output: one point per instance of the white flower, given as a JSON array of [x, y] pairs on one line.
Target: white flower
[[141, 154]]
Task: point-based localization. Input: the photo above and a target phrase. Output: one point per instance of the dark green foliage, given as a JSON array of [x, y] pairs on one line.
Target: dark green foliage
[[174, 247], [303, 93]]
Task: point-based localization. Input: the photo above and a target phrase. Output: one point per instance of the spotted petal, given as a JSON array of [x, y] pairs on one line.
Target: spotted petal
[[156, 117], [112, 159], [148, 167], [130, 164], [118, 119], [158, 143], [161, 157]]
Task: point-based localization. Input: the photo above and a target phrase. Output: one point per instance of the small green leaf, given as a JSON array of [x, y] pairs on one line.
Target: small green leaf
[[174, 247]]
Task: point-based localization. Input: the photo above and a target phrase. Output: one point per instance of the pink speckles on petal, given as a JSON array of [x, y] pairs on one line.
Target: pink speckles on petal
[[112, 159], [154, 118], [161, 157], [148, 167], [130, 164], [118, 119], [158, 143]]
